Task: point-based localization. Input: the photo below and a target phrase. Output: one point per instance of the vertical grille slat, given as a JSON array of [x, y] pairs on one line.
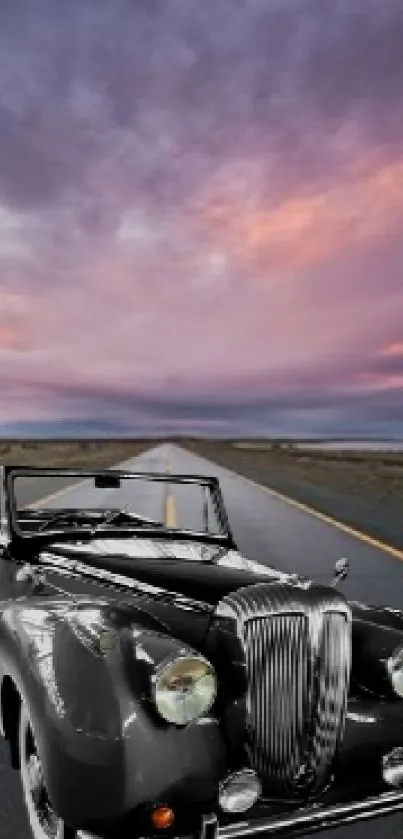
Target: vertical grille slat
[[277, 701], [297, 649], [331, 701]]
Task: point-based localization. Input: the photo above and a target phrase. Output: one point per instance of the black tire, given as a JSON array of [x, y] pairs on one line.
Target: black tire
[[43, 821]]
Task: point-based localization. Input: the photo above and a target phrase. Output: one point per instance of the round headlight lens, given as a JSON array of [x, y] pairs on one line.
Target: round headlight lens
[[395, 670], [239, 791], [392, 767], [185, 689]]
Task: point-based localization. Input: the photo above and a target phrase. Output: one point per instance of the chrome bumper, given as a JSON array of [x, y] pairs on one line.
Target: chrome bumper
[[307, 820]]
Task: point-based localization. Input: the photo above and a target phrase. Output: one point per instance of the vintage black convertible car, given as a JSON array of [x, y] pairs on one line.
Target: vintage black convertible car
[[156, 682]]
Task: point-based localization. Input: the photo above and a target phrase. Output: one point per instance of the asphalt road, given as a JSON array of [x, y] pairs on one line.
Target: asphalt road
[[266, 529]]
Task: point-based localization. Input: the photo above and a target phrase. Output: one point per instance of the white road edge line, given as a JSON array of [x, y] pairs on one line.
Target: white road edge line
[[305, 508]]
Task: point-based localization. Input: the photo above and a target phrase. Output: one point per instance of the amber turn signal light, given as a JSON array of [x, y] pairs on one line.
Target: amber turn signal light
[[162, 817]]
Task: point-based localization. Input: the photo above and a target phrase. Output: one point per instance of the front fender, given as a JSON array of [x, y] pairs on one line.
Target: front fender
[[84, 670], [376, 633]]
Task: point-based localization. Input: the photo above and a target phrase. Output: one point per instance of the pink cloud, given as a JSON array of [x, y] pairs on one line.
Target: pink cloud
[[198, 216], [394, 350]]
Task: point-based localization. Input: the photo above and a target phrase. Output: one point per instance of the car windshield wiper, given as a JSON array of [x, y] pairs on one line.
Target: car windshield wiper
[[102, 519], [66, 514], [123, 517]]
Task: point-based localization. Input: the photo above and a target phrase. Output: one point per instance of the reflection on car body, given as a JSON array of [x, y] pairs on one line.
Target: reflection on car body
[[156, 681]]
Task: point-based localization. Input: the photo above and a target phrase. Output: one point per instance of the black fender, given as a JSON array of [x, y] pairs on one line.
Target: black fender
[[374, 724], [376, 633], [84, 669]]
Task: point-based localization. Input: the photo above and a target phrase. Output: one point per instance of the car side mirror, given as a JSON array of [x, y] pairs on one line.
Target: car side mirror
[[340, 570]]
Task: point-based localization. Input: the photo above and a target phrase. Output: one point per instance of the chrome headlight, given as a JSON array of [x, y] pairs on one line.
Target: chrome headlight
[[239, 791], [184, 689], [395, 669]]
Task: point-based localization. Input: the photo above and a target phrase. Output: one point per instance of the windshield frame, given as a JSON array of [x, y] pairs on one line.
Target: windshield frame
[[12, 513]]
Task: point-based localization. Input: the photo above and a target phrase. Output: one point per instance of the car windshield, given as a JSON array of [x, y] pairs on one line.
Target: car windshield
[[45, 501]]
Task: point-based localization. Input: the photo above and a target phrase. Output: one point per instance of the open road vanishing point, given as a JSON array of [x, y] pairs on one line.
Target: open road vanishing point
[[268, 529]]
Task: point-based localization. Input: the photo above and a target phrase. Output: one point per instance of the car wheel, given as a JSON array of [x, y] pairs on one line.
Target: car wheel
[[43, 821]]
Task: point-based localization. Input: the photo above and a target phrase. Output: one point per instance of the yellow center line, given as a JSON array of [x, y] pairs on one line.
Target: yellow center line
[[170, 517], [323, 517]]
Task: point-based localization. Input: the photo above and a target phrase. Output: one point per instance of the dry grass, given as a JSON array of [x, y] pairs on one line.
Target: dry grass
[[371, 474], [77, 453], [366, 473]]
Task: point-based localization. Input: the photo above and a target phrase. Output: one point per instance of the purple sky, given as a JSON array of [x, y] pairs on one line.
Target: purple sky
[[201, 216]]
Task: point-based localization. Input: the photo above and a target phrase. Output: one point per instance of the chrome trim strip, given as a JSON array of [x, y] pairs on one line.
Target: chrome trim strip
[[318, 817], [74, 568]]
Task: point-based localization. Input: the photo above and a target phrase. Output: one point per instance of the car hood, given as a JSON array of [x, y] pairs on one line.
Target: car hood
[[200, 571], [195, 576]]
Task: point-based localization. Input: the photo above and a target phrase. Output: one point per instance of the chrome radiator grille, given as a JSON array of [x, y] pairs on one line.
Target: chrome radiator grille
[[297, 653]]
